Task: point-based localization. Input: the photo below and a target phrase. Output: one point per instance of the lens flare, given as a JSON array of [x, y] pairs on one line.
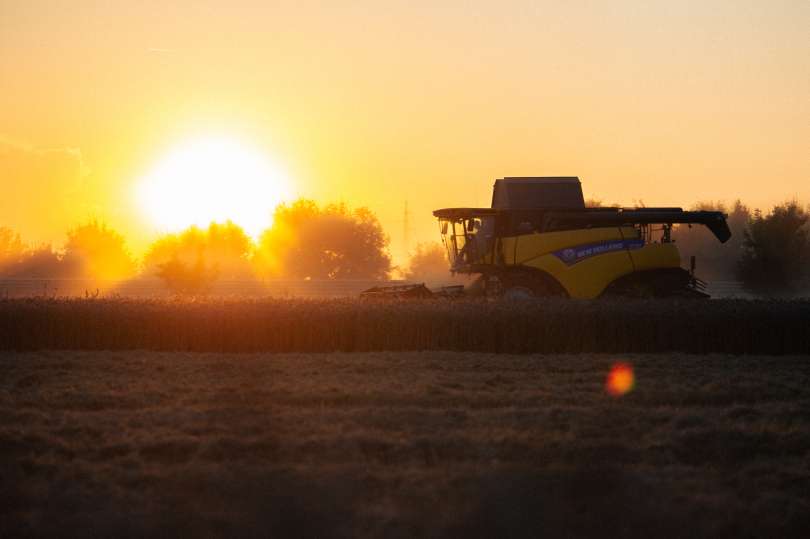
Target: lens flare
[[620, 380]]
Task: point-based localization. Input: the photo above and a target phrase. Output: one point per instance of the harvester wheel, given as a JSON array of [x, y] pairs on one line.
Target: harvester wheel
[[661, 283], [527, 284], [639, 289], [518, 293]]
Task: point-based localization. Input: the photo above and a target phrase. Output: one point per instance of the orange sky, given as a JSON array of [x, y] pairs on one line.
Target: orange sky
[[376, 103]]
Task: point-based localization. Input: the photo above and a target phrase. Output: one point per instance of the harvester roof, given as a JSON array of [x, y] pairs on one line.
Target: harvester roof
[[529, 193]]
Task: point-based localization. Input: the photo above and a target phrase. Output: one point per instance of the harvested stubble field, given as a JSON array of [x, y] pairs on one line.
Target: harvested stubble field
[[351, 325], [402, 445]]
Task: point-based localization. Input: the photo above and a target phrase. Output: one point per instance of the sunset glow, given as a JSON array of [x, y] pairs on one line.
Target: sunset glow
[[213, 179], [379, 104]]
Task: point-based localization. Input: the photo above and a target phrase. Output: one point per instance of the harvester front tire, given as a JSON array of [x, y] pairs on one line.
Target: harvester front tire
[[658, 283], [527, 284]]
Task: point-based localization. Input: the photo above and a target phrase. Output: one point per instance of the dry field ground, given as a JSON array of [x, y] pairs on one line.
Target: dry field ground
[[403, 444]]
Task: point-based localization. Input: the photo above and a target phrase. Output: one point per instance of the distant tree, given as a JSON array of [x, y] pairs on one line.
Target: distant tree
[[95, 251], [187, 279], [18, 261], [228, 248], [595, 202], [40, 263], [333, 242], [715, 260], [428, 263], [191, 261], [12, 248], [775, 249], [186, 246]]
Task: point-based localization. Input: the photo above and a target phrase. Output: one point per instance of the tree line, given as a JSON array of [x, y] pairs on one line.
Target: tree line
[[768, 252], [305, 241]]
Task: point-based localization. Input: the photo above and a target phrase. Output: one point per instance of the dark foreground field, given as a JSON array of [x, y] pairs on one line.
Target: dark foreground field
[[402, 445], [353, 325]]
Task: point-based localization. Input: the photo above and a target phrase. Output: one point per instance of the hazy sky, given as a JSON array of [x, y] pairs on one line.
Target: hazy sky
[[379, 102]]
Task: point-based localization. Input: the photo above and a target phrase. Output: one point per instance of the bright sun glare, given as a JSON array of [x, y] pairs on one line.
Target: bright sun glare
[[213, 179]]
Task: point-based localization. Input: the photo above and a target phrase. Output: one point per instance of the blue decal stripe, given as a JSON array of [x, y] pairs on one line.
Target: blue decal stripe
[[572, 255]]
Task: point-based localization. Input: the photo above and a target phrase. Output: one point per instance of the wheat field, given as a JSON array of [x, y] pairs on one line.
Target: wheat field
[[354, 325], [134, 443]]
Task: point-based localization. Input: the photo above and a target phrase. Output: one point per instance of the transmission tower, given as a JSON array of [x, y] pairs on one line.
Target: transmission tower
[[406, 230]]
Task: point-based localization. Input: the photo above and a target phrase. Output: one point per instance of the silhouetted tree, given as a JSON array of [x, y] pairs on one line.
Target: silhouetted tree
[[187, 279], [40, 263], [428, 263], [593, 202], [191, 261], [228, 248], [98, 252], [333, 242], [12, 248], [186, 246], [18, 261], [715, 260], [775, 250]]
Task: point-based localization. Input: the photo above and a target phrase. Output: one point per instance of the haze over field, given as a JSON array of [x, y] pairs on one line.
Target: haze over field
[[375, 104]]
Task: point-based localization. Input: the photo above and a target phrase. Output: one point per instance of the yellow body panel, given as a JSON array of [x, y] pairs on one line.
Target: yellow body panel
[[587, 278], [656, 255], [520, 249]]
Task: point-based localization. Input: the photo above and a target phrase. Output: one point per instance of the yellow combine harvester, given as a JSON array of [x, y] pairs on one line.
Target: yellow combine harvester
[[539, 239]]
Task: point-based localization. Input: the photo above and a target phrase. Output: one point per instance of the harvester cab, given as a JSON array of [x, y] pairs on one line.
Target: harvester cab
[[538, 238], [469, 236]]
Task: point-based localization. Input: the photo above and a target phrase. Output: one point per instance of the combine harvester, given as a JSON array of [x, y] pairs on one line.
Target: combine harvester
[[538, 239]]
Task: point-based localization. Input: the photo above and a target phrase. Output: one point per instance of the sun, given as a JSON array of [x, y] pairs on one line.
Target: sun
[[213, 179]]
